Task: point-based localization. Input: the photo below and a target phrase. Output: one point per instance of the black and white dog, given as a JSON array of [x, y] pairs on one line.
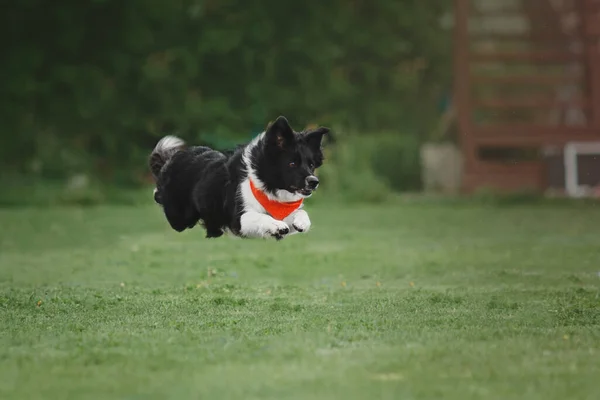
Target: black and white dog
[[256, 190]]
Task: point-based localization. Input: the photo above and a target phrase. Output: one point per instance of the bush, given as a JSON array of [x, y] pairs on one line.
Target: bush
[[106, 78], [370, 167], [396, 159]]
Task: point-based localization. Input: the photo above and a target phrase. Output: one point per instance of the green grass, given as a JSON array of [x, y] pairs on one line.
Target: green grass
[[398, 301]]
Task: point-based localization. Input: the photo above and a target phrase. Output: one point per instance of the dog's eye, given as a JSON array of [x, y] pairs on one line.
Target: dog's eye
[[292, 164], [312, 166]]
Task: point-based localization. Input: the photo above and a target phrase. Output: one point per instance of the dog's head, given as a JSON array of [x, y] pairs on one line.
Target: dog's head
[[289, 159]]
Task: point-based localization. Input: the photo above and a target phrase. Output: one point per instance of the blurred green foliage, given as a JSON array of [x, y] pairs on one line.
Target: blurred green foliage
[[368, 168], [89, 85]]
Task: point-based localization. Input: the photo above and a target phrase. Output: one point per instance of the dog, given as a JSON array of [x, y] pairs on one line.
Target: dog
[[253, 191]]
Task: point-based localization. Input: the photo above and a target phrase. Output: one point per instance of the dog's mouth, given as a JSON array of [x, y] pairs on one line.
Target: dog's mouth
[[306, 192]]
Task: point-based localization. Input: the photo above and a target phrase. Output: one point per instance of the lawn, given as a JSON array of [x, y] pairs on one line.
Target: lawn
[[406, 300]]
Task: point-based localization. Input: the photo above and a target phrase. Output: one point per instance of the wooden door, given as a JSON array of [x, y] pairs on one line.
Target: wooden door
[[527, 77]]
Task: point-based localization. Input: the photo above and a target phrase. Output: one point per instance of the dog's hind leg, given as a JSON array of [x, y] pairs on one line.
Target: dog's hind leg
[[213, 230], [181, 220]]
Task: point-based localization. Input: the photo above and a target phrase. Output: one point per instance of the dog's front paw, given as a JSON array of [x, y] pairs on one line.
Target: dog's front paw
[[253, 224], [278, 229], [301, 222]]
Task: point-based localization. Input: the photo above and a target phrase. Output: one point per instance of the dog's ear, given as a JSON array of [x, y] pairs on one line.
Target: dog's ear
[[315, 137], [279, 133]]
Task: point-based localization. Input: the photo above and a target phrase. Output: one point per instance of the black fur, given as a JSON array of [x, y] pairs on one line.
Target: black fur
[[201, 185]]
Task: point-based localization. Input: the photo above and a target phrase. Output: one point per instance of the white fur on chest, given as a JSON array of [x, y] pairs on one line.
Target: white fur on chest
[[248, 200]]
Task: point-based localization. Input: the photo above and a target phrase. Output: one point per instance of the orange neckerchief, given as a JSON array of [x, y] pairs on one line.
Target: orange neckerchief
[[276, 209]]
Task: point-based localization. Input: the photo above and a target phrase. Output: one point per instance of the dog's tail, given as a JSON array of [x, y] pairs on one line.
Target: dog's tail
[[164, 150]]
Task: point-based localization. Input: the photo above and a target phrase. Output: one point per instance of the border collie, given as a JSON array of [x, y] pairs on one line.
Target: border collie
[[256, 190]]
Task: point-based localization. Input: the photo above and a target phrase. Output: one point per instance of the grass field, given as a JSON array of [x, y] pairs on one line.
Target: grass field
[[396, 301]]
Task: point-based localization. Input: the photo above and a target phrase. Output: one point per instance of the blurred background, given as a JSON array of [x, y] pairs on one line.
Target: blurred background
[[417, 100], [89, 86]]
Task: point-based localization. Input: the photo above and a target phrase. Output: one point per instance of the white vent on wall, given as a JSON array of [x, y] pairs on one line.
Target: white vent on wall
[[572, 151]]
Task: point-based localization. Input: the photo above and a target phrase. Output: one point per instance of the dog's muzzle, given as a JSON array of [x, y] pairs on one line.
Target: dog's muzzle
[[312, 182]]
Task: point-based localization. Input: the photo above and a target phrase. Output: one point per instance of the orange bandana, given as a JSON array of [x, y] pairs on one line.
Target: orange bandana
[[276, 209]]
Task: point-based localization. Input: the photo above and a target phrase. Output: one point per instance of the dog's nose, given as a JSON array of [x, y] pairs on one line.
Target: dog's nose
[[312, 182]]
